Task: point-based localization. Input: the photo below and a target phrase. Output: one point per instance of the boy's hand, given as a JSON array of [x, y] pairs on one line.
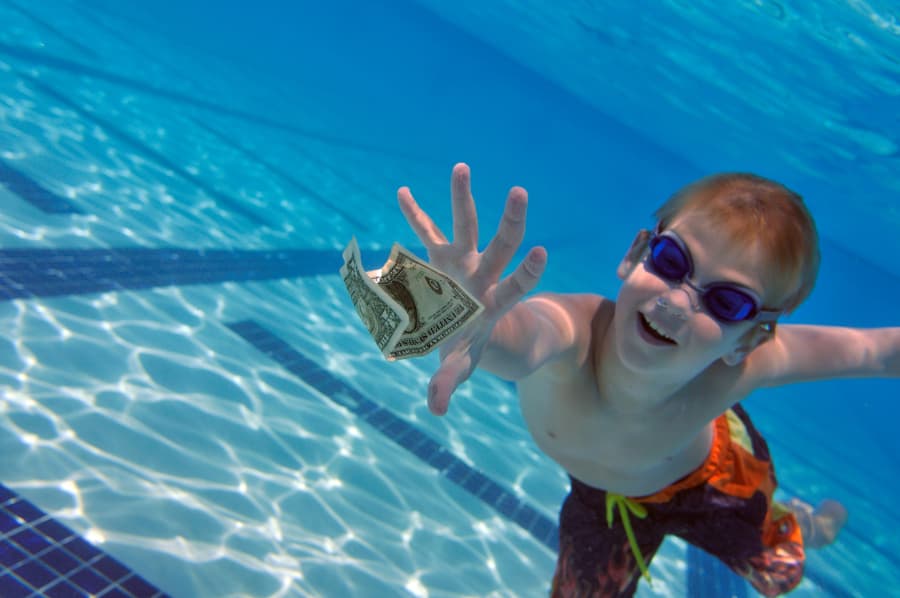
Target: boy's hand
[[478, 273]]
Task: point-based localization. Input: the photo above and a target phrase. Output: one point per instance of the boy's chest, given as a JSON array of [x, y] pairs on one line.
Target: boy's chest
[[602, 447]]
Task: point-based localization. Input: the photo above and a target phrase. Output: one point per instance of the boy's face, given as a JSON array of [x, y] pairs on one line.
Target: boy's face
[[663, 325]]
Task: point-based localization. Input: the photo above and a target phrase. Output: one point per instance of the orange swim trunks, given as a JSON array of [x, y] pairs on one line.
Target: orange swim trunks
[[724, 507]]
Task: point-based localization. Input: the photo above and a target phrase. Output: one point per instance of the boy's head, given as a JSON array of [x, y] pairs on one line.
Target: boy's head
[[756, 213]]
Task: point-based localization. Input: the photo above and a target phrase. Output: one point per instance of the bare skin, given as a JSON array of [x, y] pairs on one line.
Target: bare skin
[[615, 404], [820, 525]]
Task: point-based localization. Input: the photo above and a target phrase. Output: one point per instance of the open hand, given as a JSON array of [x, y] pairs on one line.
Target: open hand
[[478, 273]]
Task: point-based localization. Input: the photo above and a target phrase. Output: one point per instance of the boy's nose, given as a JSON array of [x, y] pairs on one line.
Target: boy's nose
[[679, 300], [671, 317]]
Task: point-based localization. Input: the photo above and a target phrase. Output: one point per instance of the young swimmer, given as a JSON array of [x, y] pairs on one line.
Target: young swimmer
[[638, 398]]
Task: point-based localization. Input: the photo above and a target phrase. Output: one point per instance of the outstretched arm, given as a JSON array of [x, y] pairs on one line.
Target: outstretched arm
[[479, 273], [801, 353]]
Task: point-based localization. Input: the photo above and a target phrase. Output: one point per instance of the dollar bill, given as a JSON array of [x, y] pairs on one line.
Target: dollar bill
[[407, 306]]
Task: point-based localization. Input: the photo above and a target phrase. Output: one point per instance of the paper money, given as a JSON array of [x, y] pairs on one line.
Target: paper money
[[407, 306]]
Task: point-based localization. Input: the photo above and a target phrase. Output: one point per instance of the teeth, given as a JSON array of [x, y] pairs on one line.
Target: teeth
[[657, 329]]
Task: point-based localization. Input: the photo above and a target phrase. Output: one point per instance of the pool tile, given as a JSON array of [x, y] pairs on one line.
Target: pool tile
[[64, 589], [36, 574], [24, 510], [111, 568], [10, 587], [10, 554], [55, 530], [29, 273], [30, 540], [60, 561], [88, 580], [139, 587], [42, 557]]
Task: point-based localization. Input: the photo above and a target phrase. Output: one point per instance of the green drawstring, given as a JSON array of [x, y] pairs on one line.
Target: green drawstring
[[625, 505]]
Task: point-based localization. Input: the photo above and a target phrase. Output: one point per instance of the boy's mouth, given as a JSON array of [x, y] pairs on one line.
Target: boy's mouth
[[654, 330]]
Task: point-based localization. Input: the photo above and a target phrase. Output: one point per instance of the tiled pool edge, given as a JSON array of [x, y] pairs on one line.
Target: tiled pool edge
[[29, 273], [41, 557]]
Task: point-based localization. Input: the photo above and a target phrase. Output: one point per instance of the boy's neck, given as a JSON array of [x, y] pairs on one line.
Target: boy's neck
[[626, 389]]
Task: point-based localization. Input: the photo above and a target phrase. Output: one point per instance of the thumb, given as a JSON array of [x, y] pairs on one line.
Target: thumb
[[455, 368]]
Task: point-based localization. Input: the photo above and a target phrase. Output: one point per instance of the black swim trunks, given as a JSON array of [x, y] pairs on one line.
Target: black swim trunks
[[724, 507]]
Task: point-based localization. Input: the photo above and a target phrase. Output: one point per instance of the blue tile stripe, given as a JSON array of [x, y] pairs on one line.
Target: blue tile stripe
[[25, 187], [41, 557], [27, 273], [708, 577], [405, 434]]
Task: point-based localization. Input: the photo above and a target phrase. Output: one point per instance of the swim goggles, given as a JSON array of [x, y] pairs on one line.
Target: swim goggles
[[727, 302]]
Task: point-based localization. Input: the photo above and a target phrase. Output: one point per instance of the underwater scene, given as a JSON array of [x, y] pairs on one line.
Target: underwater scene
[[191, 405]]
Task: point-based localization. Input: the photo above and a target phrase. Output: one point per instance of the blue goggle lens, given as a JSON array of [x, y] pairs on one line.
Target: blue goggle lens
[[725, 302]]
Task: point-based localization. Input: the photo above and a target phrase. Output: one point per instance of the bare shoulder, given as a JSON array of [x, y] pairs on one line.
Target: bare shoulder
[[579, 310], [579, 317], [572, 302]]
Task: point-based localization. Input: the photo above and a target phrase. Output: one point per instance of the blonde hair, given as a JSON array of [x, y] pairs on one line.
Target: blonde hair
[[757, 212]]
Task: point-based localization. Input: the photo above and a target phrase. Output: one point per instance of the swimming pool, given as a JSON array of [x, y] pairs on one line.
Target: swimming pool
[[184, 383]]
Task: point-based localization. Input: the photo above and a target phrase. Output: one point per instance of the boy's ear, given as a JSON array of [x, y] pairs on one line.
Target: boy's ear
[[754, 337], [634, 255]]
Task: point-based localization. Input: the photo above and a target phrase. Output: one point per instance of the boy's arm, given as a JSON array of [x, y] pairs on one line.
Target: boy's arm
[[532, 333], [800, 353]]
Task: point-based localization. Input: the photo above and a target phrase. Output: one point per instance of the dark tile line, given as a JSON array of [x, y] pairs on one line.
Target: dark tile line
[[277, 170], [232, 204], [54, 30], [403, 433], [41, 556], [31, 191], [28, 273], [62, 64]]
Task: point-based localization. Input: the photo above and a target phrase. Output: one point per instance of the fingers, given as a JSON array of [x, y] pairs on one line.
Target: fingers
[[424, 227], [509, 235], [455, 368], [465, 219], [523, 279]]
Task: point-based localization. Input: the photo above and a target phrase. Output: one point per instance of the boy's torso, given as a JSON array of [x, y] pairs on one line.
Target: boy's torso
[[634, 454]]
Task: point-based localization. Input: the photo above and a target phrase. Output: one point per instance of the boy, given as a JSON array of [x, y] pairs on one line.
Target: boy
[[638, 398]]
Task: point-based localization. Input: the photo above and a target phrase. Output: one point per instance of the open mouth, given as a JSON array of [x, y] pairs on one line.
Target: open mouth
[[654, 331]]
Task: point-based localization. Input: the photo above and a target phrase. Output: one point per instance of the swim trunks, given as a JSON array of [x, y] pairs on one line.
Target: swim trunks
[[724, 507]]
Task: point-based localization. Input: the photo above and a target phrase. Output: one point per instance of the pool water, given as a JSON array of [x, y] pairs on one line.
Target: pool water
[[184, 381]]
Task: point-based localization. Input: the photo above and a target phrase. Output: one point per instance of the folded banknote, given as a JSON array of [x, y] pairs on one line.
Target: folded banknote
[[408, 306]]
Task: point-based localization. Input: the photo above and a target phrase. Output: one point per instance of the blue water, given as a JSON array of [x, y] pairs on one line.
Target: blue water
[[133, 411]]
